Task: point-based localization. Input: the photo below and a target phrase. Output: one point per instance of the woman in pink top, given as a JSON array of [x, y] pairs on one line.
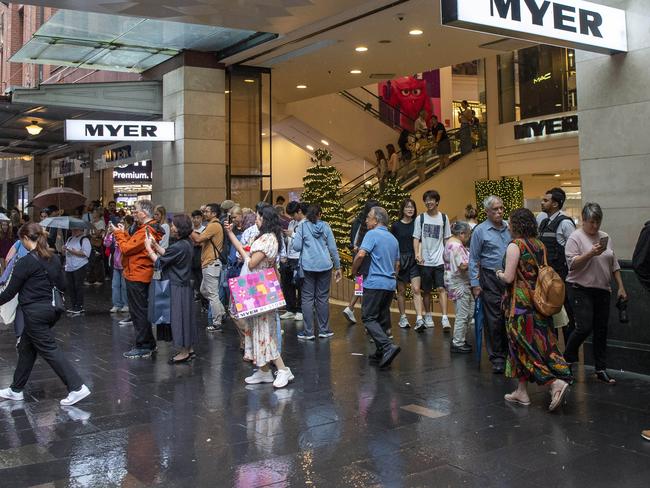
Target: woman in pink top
[[120, 301], [592, 264]]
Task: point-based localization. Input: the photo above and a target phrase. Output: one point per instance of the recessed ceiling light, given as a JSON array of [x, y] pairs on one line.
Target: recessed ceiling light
[[361, 49], [310, 147], [263, 134], [416, 32], [227, 91], [355, 71], [249, 80], [301, 87], [325, 142], [557, 175]]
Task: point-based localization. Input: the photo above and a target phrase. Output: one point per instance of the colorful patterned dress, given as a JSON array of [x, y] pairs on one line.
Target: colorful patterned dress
[[260, 335], [533, 351]]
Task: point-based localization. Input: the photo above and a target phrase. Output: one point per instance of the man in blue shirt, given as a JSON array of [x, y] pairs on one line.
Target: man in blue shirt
[[490, 240], [379, 285]]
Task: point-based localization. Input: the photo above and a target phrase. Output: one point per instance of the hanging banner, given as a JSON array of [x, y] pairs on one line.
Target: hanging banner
[[121, 154], [574, 24]]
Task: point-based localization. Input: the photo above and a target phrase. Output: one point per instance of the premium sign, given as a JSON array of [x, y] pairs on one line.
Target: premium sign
[[118, 130], [133, 173], [547, 127], [570, 23]]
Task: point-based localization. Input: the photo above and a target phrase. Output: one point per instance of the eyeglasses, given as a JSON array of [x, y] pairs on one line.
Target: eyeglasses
[[496, 209]]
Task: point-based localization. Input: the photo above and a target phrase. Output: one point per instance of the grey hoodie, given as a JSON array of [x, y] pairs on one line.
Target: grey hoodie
[[317, 246]]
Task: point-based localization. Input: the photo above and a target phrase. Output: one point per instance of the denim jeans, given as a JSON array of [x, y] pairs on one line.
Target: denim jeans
[[119, 289]]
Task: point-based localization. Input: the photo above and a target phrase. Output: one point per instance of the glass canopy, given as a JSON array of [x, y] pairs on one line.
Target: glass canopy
[[120, 43]]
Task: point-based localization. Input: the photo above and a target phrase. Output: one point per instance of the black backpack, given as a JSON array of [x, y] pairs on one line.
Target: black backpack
[[641, 257]]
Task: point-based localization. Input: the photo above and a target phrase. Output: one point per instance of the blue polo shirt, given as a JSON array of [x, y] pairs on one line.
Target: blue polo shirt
[[383, 249]]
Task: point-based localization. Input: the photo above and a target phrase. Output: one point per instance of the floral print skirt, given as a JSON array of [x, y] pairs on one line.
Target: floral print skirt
[[261, 339]]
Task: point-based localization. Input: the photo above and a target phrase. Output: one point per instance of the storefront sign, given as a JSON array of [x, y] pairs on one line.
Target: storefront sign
[[546, 127], [575, 23], [118, 130], [121, 154], [67, 166], [133, 173]]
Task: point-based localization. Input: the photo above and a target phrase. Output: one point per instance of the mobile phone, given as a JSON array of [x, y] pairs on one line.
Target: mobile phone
[[604, 241], [146, 231]]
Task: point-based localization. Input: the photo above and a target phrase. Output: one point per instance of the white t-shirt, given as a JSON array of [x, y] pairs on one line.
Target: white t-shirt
[[164, 242], [432, 238], [81, 243]]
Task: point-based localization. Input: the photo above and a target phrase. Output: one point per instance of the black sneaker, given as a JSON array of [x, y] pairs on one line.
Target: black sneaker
[[389, 354], [138, 353], [464, 349], [375, 357], [214, 328]]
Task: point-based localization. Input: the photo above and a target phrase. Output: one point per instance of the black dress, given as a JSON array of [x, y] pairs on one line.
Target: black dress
[[176, 266]]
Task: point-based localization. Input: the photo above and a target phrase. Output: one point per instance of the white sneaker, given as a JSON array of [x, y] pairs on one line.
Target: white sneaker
[[9, 394], [404, 322], [75, 396], [126, 321], [114, 310], [283, 378], [260, 376], [428, 321], [124, 309], [288, 316], [298, 317], [445, 323], [349, 314]]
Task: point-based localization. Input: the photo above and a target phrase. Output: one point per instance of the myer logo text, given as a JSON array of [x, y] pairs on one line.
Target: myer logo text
[[575, 24], [547, 127], [112, 130]]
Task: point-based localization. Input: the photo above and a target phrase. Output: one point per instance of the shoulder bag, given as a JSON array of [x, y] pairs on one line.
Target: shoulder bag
[[58, 300]]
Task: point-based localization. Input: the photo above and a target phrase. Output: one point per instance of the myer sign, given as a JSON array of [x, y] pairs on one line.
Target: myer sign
[[118, 130], [559, 125], [570, 23]]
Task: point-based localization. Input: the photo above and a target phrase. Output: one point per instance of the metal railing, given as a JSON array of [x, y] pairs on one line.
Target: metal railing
[[376, 107]]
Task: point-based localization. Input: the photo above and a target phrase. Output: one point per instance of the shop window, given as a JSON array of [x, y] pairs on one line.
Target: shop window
[[535, 82], [18, 195]]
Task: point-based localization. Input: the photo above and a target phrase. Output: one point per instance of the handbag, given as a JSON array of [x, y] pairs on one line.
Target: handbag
[[561, 319], [160, 299], [8, 310], [58, 300], [256, 293]]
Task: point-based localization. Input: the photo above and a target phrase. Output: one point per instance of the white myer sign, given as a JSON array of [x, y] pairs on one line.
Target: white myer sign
[[570, 23], [118, 130]]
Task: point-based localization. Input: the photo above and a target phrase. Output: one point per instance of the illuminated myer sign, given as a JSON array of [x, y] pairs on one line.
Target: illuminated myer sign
[[118, 130], [547, 127], [570, 23]]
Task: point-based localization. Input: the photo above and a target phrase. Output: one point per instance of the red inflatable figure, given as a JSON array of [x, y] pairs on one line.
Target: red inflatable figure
[[409, 95]]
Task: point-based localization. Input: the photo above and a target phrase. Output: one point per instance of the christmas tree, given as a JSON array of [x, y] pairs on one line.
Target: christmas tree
[[391, 197], [510, 190], [323, 187]]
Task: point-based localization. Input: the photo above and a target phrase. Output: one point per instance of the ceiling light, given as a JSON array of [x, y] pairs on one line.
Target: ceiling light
[[263, 134], [416, 32], [557, 175], [361, 49], [310, 147], [227, 91], [301, 87], [355, 71], [34, 129], [249, 80], [323, 141]]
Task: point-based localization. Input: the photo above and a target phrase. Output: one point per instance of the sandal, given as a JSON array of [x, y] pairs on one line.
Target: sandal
[[605, 378], [186, 359], [557, 396], [511, 398]]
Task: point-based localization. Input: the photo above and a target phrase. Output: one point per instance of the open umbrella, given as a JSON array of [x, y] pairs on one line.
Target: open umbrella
[[478, 329], [65, 223], [62, 197]]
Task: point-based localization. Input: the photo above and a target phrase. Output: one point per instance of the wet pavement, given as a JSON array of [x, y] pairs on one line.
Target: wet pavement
[[432, 420]]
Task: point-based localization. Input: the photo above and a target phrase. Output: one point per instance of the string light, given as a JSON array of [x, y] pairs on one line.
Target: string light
[[510, 190]]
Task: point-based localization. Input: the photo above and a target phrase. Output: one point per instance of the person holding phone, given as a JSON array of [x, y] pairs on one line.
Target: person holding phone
[[592, 264]]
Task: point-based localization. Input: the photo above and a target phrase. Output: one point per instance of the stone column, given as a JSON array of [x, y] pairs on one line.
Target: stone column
[[613, 110], [192, 170]]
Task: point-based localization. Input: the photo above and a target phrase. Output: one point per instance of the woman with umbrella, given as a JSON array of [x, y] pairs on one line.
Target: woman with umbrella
[[77, 250]]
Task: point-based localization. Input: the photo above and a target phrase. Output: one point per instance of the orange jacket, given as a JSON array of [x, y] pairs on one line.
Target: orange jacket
[[137, 265]]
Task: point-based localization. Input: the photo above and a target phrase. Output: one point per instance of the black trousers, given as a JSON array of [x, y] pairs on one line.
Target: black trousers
[[138, 296], [38, 338], [75, 287], [591, 309], [292, 293], [495, 323], [375, 314]]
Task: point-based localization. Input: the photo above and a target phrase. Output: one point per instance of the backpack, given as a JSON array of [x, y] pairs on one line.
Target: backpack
[[549, 293], [223, 254], [444, 224], [641, 257]]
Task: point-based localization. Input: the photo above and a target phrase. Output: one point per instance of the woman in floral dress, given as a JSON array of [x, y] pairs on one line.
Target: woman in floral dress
[[261, 337], [533, 352]]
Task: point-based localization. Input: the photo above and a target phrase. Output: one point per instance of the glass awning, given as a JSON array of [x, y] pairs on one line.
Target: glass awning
[[121, 43]]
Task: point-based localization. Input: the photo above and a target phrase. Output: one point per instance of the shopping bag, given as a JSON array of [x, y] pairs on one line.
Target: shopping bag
[[561, 319], [160, 298], [256, 293], [358, 286]]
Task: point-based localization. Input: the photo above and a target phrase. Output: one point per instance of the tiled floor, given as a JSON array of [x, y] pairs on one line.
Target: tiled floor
[[432, 420]]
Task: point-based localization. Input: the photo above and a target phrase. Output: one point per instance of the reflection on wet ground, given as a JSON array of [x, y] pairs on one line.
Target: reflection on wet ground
[[433, 420]]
